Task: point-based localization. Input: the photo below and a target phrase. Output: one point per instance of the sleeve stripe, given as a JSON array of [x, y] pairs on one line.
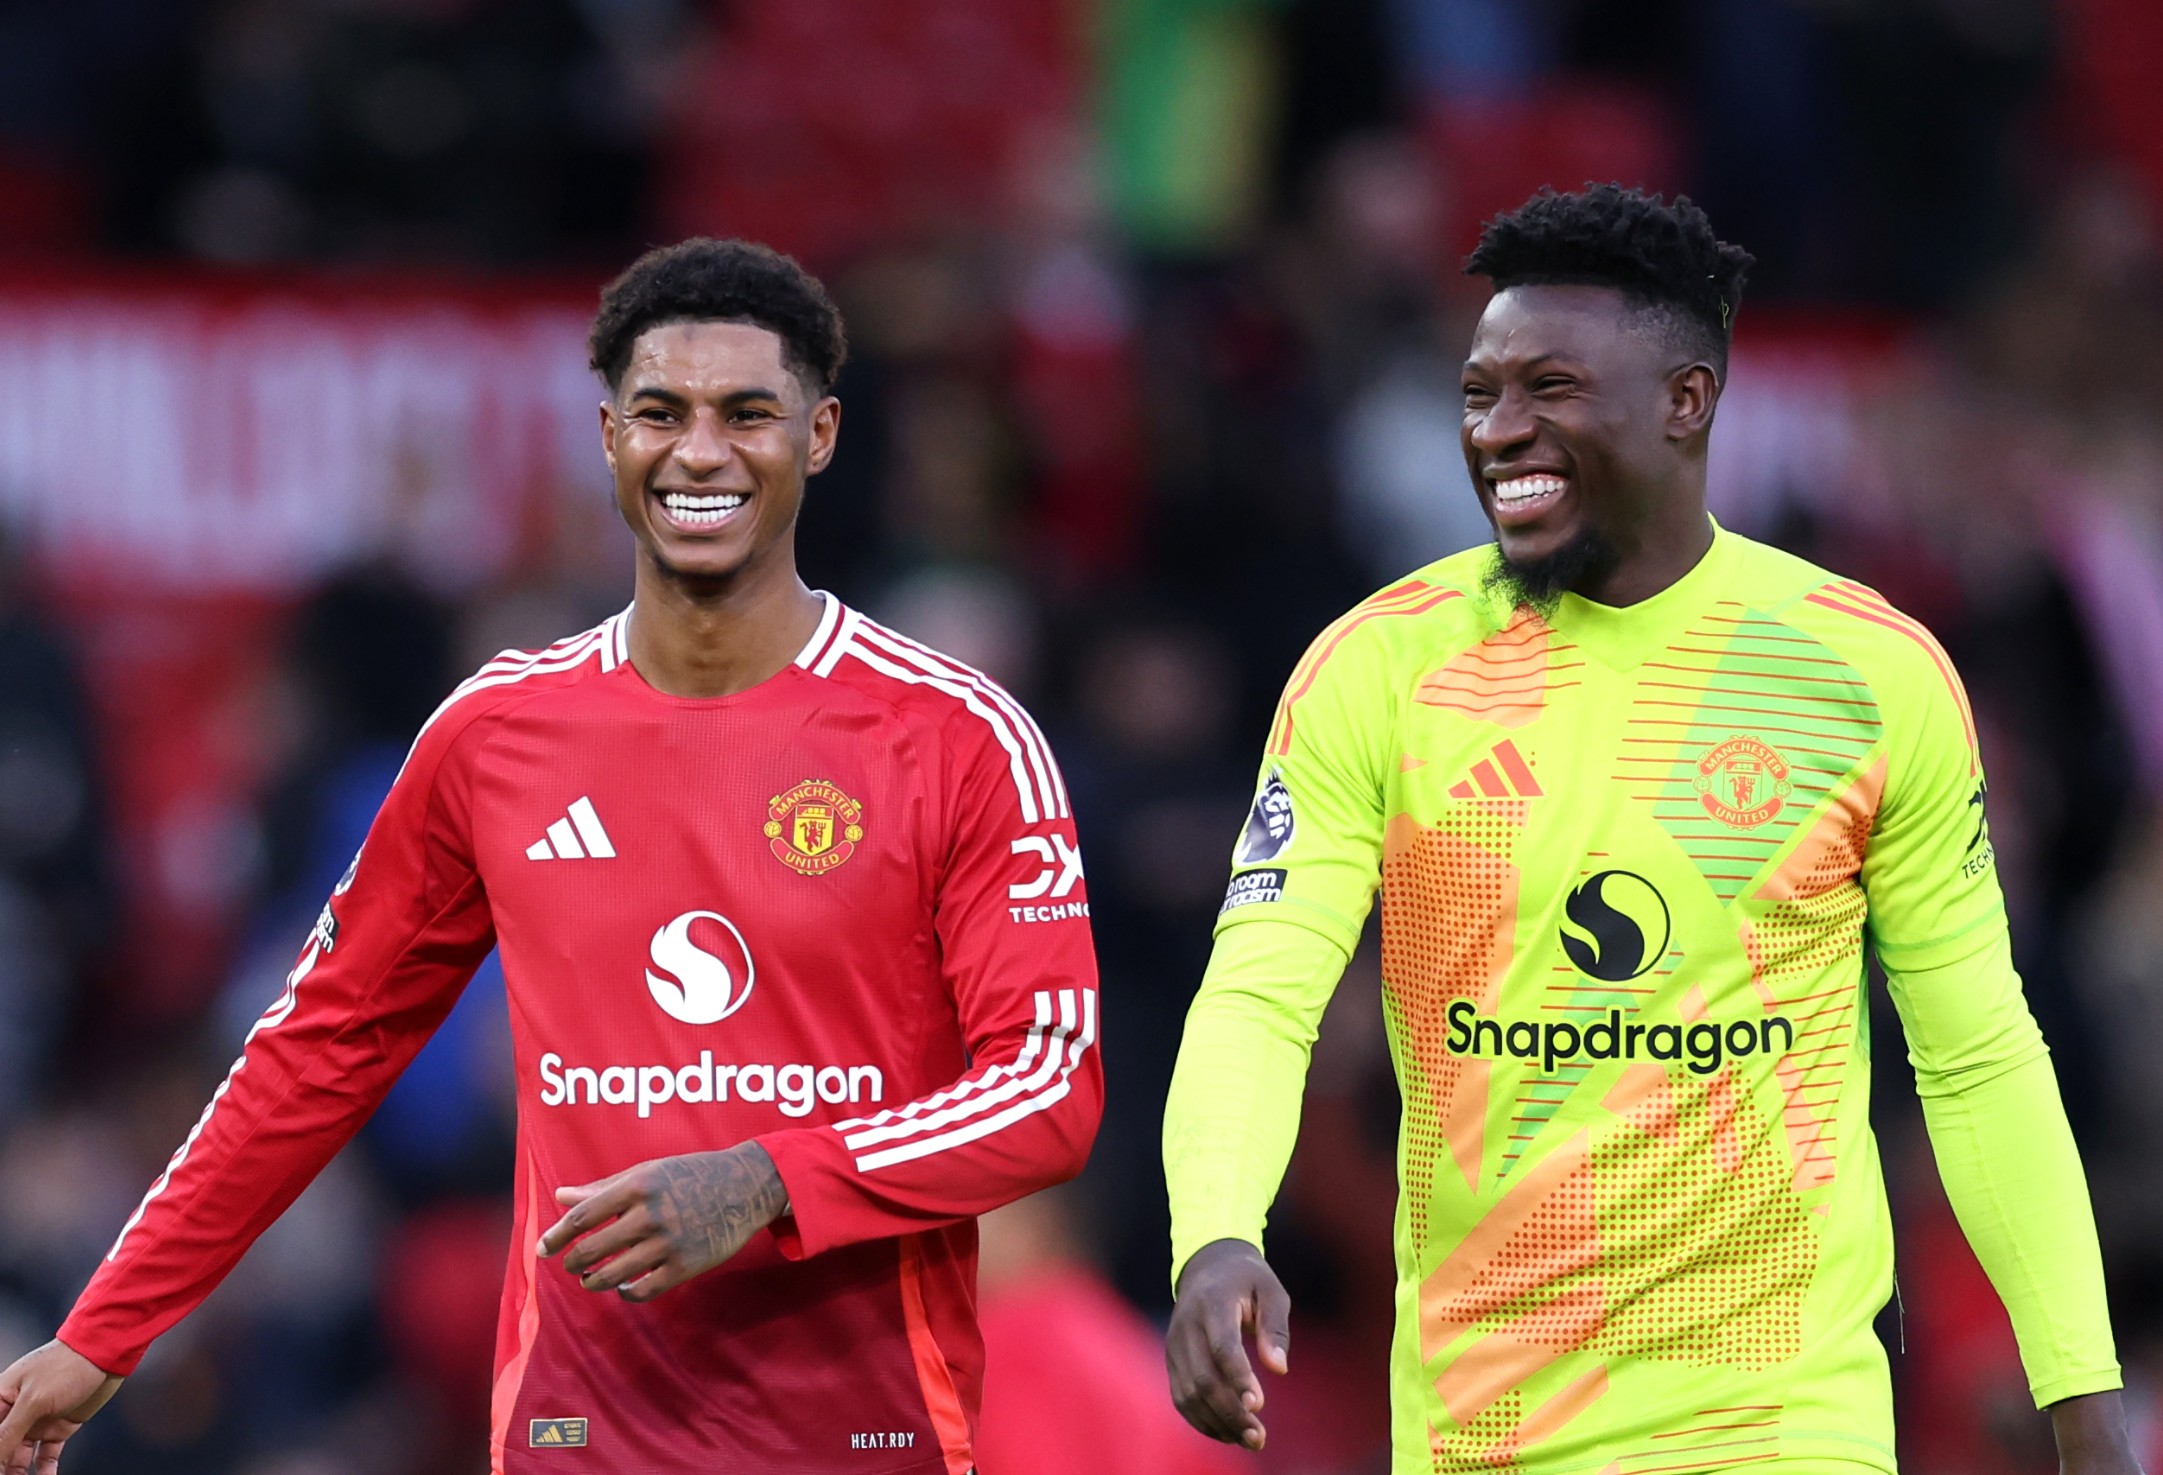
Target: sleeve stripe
[[1892, 619], [1020, 1079], [505, 672], [968, 1085], [1407, 599], [1050, 785], [1027, 1107], [1031, 810]]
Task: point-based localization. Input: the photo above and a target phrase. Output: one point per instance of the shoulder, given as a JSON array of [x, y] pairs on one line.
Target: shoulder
[[1431, 613], [1895, 653], [513, 677], [969, 717]]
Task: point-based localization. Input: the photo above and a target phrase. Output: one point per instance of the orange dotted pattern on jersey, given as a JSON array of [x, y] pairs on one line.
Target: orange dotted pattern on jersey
[[1449, 912], [1720, 1287], [1506, 677], [1724, 1286], [1797, 942]]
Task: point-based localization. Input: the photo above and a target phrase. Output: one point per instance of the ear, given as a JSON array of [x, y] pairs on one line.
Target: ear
[[1692, 392], [825, 431], [608, 435]]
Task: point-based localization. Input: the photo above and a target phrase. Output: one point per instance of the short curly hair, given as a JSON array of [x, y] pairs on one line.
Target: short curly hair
[[709, 280], [1663, 258]]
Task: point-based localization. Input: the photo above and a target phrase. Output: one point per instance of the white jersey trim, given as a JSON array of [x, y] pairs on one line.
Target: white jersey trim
[[1037, 781], [1017, 1088]]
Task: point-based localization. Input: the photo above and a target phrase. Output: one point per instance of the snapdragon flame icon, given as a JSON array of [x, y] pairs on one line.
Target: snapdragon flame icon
[[694, 984]]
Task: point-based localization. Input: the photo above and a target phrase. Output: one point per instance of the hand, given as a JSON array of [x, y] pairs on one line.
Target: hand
[[2091, 1436], [653, 1227], [48, 1394], [1226, 1290]]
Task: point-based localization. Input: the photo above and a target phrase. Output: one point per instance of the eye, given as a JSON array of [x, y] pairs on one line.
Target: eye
[[1553, 384], [751, 416], [654, 415], [1478, 394]]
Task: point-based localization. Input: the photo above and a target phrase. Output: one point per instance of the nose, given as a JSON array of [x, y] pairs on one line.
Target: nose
[[1501, 427], [702, 449]]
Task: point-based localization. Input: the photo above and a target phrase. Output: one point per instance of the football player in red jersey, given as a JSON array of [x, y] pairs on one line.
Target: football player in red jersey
[[796, 938]]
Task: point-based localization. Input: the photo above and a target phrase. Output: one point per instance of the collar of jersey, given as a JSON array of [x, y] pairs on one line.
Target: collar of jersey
[[1624, 636]]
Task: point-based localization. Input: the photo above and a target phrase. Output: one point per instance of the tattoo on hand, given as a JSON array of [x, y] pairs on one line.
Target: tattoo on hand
[[709, 1204]]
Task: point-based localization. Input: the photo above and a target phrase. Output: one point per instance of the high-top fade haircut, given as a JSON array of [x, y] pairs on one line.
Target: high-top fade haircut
[[1663, 258], [709, 280]]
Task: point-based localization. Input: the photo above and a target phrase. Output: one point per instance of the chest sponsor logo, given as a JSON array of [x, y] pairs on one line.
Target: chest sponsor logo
[[1249, 887], [1743, 783], [700, 979], [701, 973], [556, 1434], [813, 828], [1615, 926], [1271, 825], [1706, 1044]]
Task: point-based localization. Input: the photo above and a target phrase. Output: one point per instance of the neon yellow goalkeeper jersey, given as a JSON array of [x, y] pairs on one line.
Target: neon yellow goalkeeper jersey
[[1628, 859]]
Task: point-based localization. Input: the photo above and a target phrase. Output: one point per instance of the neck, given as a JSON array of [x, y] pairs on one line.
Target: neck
[[693, 641], [1659, 551]]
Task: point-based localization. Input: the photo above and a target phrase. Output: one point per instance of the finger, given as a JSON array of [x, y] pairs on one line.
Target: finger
[[15, 1429], [612, 1238], [1236, 1393], [49, 1457], [666, 1277], [1273, 1325], [640, 1259], [590, 1213], [1197, 1383], [572, 1193]]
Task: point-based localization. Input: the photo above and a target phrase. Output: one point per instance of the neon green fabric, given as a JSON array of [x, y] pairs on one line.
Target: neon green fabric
[[1628, 862]]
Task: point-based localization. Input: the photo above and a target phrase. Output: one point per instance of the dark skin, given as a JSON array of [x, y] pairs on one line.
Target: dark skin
[[1604, 410], [706, 410]]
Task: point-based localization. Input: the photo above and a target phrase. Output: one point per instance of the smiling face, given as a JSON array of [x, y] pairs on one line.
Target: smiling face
[[1584, 427], [710, 436]]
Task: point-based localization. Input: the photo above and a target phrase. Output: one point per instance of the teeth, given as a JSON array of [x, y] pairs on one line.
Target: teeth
[[701, 511], [1525, 488]]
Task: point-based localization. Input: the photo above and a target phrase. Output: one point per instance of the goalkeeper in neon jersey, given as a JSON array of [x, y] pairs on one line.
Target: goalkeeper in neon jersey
[[1637, 794]]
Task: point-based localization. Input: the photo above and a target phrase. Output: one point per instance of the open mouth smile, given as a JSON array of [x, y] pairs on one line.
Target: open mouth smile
[[1523, 497], [694, 513]]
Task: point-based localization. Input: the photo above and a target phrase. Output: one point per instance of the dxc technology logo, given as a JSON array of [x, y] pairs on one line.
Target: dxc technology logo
[[695, 985], [1617, 926]]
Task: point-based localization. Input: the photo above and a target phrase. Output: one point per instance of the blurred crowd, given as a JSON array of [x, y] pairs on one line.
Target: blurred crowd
[[1154, 314]]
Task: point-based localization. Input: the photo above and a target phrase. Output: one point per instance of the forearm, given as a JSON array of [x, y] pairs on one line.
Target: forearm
[[1022, 1119], [1233, 1112], [2011, 1170]]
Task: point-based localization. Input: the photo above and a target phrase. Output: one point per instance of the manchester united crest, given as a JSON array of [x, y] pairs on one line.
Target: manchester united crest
[[814, 827], [1742, 783]]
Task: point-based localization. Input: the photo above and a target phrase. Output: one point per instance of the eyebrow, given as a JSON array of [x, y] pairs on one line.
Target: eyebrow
[[671, 398], [1535, 361]]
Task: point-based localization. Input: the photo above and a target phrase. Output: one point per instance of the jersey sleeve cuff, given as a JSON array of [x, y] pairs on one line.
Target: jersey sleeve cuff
[[2075, 1385], [797, 1157], [113, 1359]]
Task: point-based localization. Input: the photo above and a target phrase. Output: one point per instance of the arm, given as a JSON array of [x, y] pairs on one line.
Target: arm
[[393, 947], [1229, 1128], [1304, 874], [1024, 1114], [1990, 1099]]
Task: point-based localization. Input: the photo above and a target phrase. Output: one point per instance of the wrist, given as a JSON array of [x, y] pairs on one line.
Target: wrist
[[2091, 1426]]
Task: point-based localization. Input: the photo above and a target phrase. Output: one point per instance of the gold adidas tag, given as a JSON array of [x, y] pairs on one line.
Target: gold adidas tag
[[556, 1434]]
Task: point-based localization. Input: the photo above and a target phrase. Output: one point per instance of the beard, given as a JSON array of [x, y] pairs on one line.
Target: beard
[[1540, 583]]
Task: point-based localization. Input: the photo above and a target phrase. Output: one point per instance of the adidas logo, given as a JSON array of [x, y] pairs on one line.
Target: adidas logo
[[576, 836], [556, 1433], [1502, 774]]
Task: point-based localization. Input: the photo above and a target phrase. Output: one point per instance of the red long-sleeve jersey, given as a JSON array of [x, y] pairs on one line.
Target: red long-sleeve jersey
[[841, 913]]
